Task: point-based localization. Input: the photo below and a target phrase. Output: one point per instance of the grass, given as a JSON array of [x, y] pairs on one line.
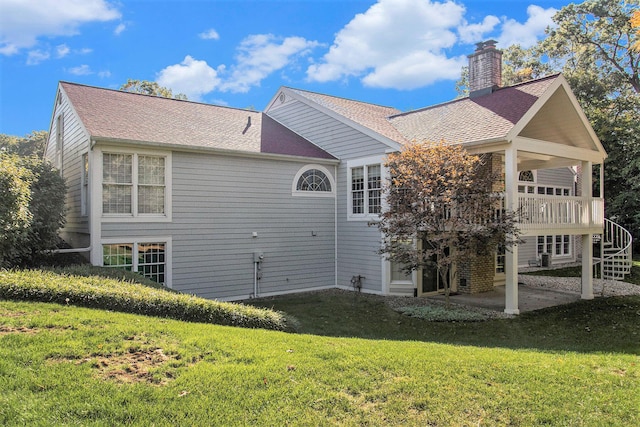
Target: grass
[[65, 365], [120, 291], [356, 362]]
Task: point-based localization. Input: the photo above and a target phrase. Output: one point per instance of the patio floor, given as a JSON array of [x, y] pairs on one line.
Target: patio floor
[[529, 298]]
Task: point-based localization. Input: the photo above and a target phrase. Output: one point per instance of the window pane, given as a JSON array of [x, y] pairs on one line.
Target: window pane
[[374, 184], [116, 198], [150, 200], [151, 189], [116, 168], [116, 178], [357, 190], [397, 274], [313, 180], [151, 261], [150, 170], [118, 255]]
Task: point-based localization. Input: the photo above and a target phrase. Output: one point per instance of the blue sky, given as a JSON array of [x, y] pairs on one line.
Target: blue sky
[[401, 53]]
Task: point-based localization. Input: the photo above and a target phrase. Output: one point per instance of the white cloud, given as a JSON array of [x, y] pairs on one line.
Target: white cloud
[[192, 77], [262, 54], [104, 74], [35, 57], [22, 22], [62, 50], [210, 34], [119, 29], [527, 34], [387, 46], [475, 33], [82, 70]]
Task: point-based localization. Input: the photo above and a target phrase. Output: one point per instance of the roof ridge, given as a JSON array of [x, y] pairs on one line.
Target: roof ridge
[[339, 97], [536, 80], [124, 92]]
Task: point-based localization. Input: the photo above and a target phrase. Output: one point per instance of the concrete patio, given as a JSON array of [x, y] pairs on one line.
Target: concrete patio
[[529, 298]]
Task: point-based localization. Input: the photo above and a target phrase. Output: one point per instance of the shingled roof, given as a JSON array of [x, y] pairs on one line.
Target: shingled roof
[[465, 120], [371, 116], [129, 117]]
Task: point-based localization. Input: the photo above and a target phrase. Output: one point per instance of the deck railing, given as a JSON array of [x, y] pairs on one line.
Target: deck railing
[[539, 211]]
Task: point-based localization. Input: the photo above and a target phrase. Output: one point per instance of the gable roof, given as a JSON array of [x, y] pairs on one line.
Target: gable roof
[[114, 115], [544, 109], [466, 120]]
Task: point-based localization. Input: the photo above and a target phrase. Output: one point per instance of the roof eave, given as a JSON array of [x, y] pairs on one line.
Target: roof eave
[[210, 150]]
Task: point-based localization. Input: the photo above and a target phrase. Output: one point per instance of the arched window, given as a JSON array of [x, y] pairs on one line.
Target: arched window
[[313, 180], [526, 176]]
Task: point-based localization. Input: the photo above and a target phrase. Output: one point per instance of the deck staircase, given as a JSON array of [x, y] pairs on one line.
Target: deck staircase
[[616, 257]]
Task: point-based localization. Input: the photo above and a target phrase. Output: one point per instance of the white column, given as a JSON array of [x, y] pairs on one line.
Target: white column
[[587, 239], [511, 257]]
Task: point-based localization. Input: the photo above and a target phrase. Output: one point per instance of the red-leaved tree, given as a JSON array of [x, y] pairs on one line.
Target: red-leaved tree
[[443, 206]]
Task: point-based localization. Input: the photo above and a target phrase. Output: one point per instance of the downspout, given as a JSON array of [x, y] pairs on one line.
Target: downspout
[[335, 228]]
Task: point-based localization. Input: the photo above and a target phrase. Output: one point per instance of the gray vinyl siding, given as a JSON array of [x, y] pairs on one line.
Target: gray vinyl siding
[[561, 177], [218, 202], [75, 143], [358, 242]]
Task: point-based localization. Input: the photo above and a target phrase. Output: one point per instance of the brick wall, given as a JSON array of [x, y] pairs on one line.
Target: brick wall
[[476, 275]]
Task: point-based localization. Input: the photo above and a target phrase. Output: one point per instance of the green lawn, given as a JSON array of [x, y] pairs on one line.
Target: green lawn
[[356, 362]]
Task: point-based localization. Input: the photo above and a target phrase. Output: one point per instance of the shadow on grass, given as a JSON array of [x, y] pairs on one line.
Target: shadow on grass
[[600, 325]]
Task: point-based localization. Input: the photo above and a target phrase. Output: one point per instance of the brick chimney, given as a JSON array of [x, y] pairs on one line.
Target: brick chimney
[[485, 69]]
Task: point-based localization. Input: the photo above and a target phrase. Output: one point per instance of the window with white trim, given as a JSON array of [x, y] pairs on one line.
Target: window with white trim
[[148, 259], [313, 180], [133, 184], [365, 188], [558, 245]]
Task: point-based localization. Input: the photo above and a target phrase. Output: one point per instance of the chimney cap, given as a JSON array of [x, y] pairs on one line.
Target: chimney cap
[[488, 44]]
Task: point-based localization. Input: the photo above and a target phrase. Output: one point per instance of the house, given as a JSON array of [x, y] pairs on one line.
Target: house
[[231, 204]]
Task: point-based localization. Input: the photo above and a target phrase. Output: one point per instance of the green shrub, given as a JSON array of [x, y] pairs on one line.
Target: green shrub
[[32, 208], [129, 297]]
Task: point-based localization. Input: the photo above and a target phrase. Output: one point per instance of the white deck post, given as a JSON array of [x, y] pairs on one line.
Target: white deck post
[[587, 239], [511, 256]]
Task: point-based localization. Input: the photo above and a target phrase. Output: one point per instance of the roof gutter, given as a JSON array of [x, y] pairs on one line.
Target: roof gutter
[[211, 150]]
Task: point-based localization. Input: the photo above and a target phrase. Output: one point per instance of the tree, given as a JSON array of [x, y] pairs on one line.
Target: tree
[[446, 199], [635, 24], [32, 144], [591, 43], [150, 88], [32, 208]]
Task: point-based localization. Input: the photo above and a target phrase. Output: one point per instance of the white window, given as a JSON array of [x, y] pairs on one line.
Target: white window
[[365, 188], [135, 185], [558, 246], [150, 259], [313, 180]]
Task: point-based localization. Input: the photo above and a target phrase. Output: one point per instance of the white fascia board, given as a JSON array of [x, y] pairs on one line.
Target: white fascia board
[[557, 150], [560, 81]]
